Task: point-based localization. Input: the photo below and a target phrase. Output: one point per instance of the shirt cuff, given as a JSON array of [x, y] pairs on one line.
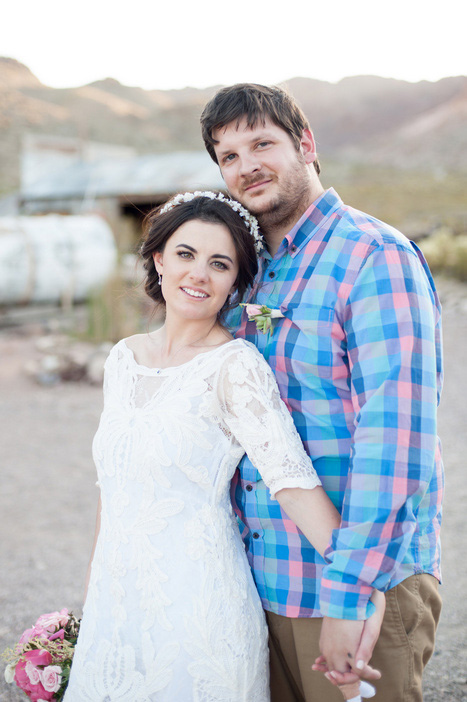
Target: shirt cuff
[[343, 600]]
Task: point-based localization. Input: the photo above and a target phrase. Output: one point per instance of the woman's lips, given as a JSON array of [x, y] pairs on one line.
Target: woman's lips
[[194, 293]]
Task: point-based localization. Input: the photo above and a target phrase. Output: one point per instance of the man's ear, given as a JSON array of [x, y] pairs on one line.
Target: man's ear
[[308, 146]]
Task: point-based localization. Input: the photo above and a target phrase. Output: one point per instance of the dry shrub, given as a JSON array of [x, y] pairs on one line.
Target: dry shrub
[[116, 310], [446, 252]]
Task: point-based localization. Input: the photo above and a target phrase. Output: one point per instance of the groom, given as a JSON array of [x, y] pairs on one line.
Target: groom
[[357, 359]]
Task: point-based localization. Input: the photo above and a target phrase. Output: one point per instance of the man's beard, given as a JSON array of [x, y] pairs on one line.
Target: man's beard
[[289, 204]]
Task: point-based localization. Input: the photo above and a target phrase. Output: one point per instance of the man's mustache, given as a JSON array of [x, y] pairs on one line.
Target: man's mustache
[[257, 178]]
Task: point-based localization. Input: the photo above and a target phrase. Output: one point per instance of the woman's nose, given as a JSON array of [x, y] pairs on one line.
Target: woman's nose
[[200, 271]]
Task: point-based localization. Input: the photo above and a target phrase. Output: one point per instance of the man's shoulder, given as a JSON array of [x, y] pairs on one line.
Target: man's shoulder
[[363, 228]]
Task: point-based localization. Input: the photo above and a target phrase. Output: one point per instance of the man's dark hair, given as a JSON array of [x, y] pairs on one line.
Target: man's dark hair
[[255, 103]]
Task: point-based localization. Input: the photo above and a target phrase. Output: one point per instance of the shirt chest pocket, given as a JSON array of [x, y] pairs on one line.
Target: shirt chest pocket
[[309, 342]]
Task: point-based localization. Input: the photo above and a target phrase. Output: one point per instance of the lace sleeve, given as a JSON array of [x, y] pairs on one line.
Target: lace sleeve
[[252, 410]]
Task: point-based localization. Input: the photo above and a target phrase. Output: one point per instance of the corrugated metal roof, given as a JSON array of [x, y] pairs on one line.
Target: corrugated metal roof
[[142, 175]]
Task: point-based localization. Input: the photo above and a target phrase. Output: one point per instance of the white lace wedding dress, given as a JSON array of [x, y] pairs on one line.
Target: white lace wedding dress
[[172, 613]]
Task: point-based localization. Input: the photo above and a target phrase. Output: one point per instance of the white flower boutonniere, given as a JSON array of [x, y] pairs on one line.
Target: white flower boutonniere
[[262, 315]]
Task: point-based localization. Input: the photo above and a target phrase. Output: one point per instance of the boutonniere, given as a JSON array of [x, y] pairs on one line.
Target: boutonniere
[[262, 315]]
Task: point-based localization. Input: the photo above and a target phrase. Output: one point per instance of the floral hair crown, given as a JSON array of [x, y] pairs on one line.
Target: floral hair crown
[[250, 220]]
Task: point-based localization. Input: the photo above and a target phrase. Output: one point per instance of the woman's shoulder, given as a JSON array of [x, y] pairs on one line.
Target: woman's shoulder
[[135, 343], [240, 351], [120, 350], [234, 347], [247, 348]]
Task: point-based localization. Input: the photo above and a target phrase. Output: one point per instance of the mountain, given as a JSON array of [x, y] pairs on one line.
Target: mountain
[[363, 119]]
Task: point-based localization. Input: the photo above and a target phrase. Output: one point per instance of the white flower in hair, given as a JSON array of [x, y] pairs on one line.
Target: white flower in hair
[[249, 219]]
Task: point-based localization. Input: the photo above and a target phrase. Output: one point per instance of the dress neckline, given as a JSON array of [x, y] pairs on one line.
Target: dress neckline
[[160, 371]]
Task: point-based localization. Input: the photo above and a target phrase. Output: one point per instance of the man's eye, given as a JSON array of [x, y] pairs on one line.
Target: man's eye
[[261, 144], [229, 157]]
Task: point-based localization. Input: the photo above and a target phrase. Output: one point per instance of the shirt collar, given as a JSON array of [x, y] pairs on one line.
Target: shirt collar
[[311, 220]]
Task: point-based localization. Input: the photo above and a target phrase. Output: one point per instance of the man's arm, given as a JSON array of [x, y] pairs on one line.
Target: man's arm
[[390, 325]]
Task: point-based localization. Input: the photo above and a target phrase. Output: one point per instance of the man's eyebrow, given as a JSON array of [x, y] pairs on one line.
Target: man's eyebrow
[[257, 137]]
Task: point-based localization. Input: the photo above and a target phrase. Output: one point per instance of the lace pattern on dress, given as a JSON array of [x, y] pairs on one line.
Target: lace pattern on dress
[[172, 612]]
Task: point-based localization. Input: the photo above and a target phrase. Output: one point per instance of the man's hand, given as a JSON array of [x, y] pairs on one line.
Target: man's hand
[[339, 643], [338, 636]]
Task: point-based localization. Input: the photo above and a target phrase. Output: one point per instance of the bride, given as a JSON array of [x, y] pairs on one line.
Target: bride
[[171, 612]]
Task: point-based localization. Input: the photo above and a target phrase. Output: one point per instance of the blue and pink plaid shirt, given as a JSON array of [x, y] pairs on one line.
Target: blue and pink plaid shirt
[[357, 358]]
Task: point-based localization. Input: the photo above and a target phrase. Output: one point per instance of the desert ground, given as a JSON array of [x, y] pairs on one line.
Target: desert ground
[[48, 497]]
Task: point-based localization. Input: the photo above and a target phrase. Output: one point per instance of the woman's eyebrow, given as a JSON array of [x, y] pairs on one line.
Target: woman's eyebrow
[[187, 247], [190, 248], [222, 256]]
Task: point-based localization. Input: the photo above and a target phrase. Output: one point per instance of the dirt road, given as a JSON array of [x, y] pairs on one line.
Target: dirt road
[[48, 497]]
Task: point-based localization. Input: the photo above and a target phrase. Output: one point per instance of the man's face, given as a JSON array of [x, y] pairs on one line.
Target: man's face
[[263, 169]]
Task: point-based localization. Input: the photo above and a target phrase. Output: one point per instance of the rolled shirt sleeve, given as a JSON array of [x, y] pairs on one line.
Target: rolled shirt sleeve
[[392, 329]]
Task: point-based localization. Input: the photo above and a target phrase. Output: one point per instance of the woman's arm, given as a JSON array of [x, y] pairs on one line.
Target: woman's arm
[[315, 515], [96, 534], [313, 512]]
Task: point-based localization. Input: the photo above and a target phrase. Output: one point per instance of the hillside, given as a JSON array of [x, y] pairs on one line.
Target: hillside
[[364, 119]]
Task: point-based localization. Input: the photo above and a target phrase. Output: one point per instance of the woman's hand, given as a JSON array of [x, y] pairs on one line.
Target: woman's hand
[[368, 639]]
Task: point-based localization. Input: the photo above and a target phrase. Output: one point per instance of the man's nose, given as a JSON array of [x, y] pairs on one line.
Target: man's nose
[[249, 163]]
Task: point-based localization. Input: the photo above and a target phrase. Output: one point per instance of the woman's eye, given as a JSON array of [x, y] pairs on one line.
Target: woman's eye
[[221, 266], [184, 254]]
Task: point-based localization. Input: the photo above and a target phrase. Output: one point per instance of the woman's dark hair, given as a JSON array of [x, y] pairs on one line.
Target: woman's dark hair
[[254, 103], [158, 228]]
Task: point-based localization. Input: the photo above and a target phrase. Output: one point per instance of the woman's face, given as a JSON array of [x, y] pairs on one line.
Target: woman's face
[[199, 268]]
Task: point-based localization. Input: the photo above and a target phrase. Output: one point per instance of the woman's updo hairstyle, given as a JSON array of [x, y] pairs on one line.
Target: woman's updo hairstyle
[[159, 227]]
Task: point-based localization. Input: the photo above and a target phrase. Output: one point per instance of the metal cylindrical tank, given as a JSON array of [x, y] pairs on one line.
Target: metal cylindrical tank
[[50, 258]]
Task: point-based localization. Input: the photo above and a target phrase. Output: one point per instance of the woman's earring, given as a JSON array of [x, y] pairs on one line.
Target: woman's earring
[[159, 278]]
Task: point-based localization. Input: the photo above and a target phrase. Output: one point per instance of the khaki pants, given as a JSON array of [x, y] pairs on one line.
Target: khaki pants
[[403, 649]]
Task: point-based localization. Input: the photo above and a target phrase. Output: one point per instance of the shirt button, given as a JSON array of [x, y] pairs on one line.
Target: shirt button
[[293, 248], [249, 488], [271, 274], [255, 535]]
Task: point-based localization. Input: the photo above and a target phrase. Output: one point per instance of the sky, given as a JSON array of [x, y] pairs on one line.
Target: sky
[[171, 44]]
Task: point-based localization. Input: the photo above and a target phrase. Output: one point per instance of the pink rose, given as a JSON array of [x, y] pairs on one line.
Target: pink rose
[[37, 632], [21, 678], [253, 310], [33, 673], [26, 635], [51, 678], [53, 620], [40, 693], [34, 692]]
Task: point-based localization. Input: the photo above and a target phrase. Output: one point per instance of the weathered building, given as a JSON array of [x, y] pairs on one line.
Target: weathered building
[[65, 177]]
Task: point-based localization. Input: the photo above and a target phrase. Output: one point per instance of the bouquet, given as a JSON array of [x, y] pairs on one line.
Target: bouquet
[[40, 663]]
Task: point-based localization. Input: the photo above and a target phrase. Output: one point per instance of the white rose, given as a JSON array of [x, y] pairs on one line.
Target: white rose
[[10, 673]]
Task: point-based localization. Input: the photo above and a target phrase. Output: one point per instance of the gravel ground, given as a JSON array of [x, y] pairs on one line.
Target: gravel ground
[[48, 497]]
